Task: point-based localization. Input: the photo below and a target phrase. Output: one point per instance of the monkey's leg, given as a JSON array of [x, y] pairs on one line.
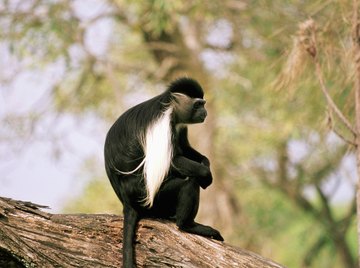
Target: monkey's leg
[[130, 221], [187, 208]]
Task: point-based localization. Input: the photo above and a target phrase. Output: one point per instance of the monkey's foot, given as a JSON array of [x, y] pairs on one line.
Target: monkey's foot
[[203, 230]]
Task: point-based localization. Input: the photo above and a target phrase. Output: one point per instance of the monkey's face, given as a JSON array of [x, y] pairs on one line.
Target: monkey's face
[[189, 110], [199, 112]]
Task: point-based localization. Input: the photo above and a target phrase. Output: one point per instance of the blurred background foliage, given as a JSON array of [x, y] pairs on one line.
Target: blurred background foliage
[[284, 178]]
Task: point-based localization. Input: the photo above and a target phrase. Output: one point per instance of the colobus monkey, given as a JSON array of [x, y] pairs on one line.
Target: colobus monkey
[[151, 165]]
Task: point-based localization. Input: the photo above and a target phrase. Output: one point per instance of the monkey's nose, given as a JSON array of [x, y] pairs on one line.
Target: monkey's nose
[[204, 116]]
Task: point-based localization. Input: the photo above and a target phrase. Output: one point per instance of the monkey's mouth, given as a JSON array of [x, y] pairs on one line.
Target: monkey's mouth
[[203, 116], [202, 119]]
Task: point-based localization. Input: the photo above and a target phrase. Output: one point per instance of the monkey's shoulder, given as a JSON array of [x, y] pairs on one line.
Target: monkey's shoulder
[[145, 112]]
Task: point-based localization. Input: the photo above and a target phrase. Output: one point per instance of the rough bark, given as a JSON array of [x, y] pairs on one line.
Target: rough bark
[[30, 237], [356, 48]]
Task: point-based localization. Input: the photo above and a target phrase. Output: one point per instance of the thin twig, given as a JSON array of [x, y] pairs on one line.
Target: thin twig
[[307, 38], [333, 129], [329, 100]]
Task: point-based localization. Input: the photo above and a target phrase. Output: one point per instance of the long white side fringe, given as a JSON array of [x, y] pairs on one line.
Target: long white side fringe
[[158, 154]]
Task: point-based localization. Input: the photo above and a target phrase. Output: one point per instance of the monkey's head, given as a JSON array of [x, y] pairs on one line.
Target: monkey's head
[[188, 101]]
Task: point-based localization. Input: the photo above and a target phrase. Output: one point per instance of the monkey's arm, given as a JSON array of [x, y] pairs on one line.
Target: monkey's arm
[[190, 152], [190, 168]]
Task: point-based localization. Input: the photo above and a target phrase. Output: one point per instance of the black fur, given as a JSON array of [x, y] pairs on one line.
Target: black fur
[[187, 86], [178, 197]]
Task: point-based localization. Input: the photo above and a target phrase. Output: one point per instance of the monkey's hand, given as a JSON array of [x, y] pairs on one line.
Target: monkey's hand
[[190, 168]]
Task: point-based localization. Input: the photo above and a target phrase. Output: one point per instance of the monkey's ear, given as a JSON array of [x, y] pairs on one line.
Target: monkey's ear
[[179, 97], [177, 94]]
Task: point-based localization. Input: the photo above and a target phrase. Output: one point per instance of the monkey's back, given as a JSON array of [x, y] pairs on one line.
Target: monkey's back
[[123, 146], [123, 150]]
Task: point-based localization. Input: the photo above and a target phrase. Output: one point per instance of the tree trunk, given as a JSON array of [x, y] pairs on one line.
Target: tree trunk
[[30, 237], [356, 47]]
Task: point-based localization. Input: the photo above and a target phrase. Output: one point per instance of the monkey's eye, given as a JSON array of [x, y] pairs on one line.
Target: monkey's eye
[[198, 104]]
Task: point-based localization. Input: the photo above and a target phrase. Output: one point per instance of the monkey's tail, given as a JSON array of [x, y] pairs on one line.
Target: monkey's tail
[[130, 221]]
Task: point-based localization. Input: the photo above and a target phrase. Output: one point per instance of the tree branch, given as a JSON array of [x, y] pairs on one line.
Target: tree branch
[[30, 237], [330, 101], [307, 39], [314, 251], [325, 205], [337, 133]]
